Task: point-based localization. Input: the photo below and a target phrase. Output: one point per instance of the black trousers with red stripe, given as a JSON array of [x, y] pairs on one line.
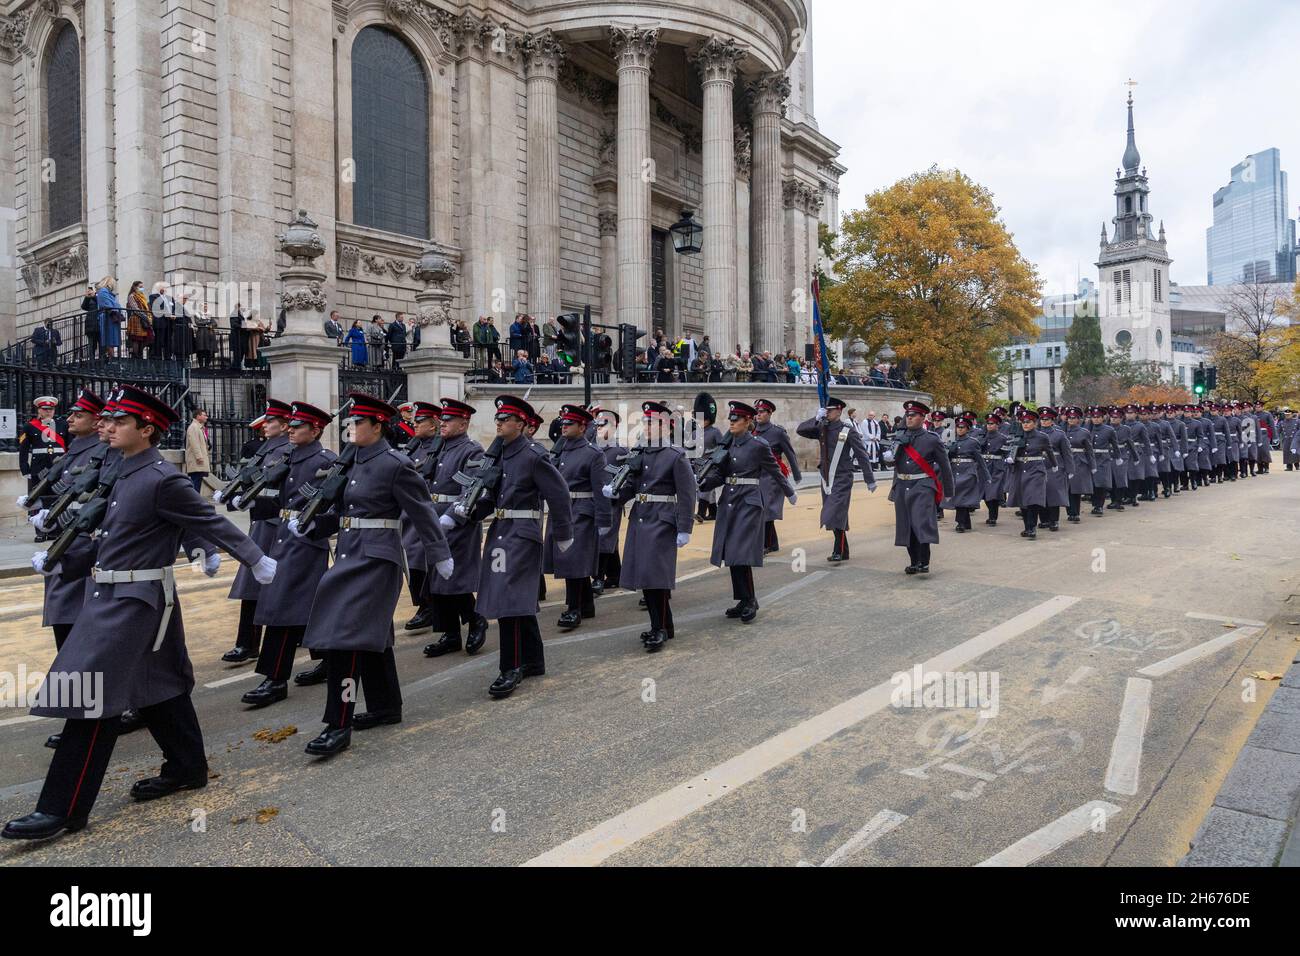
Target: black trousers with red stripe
[[450, 611], [742, 582], [841, 542], [86, 747], [578, 596], [521, 642], [249, 635], [350, 673], [275, 662], [610, 568], [770, 540], [659, 602]]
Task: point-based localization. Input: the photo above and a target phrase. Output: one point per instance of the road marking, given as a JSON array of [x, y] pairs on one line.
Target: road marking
[[876, 827], [630, 827], [1181, 659], [1053, 693], [25, 719], [232, 680], [1126, 750], [1052, 837], [1243, 621]]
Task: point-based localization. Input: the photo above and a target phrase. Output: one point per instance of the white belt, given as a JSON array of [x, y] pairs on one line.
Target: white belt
[[655, 499], [351, 524], [269, 493], [742, 481], [286, 514], [993, 457], [910, 477], [1032, 458], [579, 494], [516, 513], [443, 499], [166, 575]]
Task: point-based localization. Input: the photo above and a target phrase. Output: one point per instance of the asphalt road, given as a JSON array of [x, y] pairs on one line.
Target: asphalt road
[[1114, 657]]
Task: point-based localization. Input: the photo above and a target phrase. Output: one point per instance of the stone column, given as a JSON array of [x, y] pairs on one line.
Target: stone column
[[717, 60], [11, 37], [608, 219], [137, 167], [634, 48], [100, 211], [436, 370], [542, 56], [744, 329], [315, 163], [304, 364], [767, 94]]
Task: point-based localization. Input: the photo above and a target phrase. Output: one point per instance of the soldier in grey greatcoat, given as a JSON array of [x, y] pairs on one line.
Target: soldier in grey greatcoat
[[264, 525], [1165, 451], [582, 466], [422, 447], [773, 493], [127, 649], [922, 476], [352, 614], [283, 606], [1142, 469], [1085, 461], [662, 493], [1287, 429], [1232, 419], [512, 549], [1204, 439], [708, 500], [1058, 482], [993, 445], [609, 568], [1032, 466], [970, 474], [1105, 452], [1213, 411], [1266, 430], [452, 598], [1123, 462], [737, 469], [841, 452], [1173, 418]]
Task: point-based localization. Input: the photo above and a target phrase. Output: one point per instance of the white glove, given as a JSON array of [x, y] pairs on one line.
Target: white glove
[[601, 532], [237, 501], [37, 520], [872, 488], [1094, 471], [264, 570], [446, 522], [211, 562], [683, 539], [297, 530], [1153, 459], [216, 497], [607, 491], [444, 568], [1178, 454], [564, 545], [1055, 469], [821, 413], [793, 496], [38, 563], [22, 501]]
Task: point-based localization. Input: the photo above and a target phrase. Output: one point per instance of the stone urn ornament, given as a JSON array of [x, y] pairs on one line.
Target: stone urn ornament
[[301, 240]]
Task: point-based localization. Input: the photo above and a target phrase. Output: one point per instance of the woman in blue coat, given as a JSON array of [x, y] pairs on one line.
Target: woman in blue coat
[[110, 317], [356, 340]]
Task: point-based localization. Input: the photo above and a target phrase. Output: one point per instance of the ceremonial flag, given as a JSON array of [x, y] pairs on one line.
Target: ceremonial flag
[[819, 346]]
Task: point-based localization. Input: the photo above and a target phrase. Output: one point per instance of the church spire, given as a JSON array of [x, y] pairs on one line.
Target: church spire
[[1104, 240], [1132, 159]]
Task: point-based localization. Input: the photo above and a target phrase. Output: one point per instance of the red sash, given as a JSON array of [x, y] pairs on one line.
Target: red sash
[[40, 426], [926, 467]]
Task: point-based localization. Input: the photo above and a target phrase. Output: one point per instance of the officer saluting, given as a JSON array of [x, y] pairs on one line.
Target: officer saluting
[[922, 475], [453, 598], [840, 453], [773, 492], [130, 640]]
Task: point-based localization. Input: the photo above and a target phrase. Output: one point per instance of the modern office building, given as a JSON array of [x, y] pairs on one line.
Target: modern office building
[[1252, 240]]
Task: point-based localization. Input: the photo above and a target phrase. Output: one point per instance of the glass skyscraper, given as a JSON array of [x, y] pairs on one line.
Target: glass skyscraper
[[1252, 240]]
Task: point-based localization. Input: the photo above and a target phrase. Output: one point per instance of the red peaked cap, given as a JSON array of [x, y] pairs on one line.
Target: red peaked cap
[[278, 409], [456, 408], [149, 408], [425, 410], [88, 401], [574, 414], [367, 406], [304, 414]]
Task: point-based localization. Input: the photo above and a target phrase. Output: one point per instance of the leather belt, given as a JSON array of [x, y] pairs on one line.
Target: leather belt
[[167, 576], [902, 476], [742, 481], [286, 514], [516, 513], [1033, 458], [576, 495], [655, 499], [361, 524]]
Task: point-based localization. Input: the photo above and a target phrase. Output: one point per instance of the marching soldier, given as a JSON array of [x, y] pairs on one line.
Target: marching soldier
[[264, 526], [453, 597], [512, 552], [662, 493], [993, 444], [130, 637], [1085, 462], [1287, 431], [42, 443], [935, 424], [1178, 475], [301, 560], [742, 509], [776, 436], [1233, 420], [1058, 481], [582, 466], [1031, 467], [609, 568], [708, 500], [1266, 430], [1106, 453], [425, 442], [1204, 434], [1219, 441], [530, 432], [351, 617], [835, 437], [922, 475], [1124, 462], [970, 475], [1168, 452], [1142, 467]]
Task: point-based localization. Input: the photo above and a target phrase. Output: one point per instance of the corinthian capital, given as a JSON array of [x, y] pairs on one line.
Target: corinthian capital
[[543, 53], [717, 59], [633, 46], [768, 93]]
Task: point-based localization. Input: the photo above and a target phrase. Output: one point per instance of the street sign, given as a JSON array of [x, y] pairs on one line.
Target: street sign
[[8, 423]]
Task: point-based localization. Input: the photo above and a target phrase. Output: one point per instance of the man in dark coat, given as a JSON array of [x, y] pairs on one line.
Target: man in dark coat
[[1266, 432], [1058, 482], [1085, 462], [1287, 429], [453, 597], [774, 495], [1031, 466], [841, 452], [922, 476], [282, 607], [970, 475], [1105, 452], [42, 443], [127, 649], [1122, 467], [609, 570], [512, 550], [423, 445], [1141, 462], [738, 537]]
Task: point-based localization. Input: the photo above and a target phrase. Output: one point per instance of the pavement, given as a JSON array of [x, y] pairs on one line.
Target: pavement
[[1113, 669]]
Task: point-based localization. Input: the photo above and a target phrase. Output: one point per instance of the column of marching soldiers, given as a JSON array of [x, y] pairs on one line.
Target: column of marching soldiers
[[462, 529]]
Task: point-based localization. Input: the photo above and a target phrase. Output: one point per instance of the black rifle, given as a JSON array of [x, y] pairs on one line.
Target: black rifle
[[81, 483], [430, 461], [247, 473], [44, 486], [706, 465], [268, 476], [94, 508], [332, 482], [482, 484], [628, 467]]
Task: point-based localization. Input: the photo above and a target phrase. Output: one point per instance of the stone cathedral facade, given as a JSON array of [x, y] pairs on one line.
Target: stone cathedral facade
[[542, 147]]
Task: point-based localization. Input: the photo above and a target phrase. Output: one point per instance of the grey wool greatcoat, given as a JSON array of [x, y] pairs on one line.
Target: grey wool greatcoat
[[286, 601], [512, 548], [465, 540], [582, 466], [1122, 464], [1141, 466], [65, 591], [152, 511], [1179, 428], [1219, 439], [650, 554], [914, 499], [1058, 482], [356, 597], [742, 508], [417, 449], [1267, 431], [993, 449], [1031, 469], [1287, 429], [263, 530], [1105, 451], [1233, 424], [970, 476], [1085, 461], [609, 542], [1203, 444], [852, 457], [1169, 450], [774, 491]]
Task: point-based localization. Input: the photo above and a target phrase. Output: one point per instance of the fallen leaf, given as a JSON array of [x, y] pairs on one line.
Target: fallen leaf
[[1266, 675], [1228, 624], [267, 735], [1293, 623], [238, 820], [267, 814], [213, 775], [1235, 557]]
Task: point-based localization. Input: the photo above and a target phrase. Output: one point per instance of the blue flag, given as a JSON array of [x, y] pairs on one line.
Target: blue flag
[[819, 346]]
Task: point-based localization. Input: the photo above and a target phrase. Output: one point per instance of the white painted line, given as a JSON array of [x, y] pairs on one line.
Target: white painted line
[[604, 840], [25, 719], [1213, 646], [876, 827], [1052, 837], [1052, 693], [1126, 750], [233, 680], [1242, 621]]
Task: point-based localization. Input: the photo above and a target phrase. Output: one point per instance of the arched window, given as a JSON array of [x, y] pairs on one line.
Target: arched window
[[63, 128], [390, 135]]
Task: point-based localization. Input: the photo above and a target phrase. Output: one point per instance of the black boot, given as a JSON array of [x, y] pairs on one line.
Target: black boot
[[238, 655], [569, 620], [131, 721], [330, 741], [748, 612], [365, 720], [443, 645], [267, 692], [655, 641], [478, 629], [151, 788], [422, 619], [506, 683], [597, 587], [317, 675], [40, 826], [737, 610]]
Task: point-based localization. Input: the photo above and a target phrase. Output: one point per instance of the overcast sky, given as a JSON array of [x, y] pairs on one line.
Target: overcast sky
[[1027, 98]]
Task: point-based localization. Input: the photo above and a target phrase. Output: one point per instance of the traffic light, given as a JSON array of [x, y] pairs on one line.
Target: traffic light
[[1212, 378], [627, 336], [568, 343], [602, 351], [1198, 380]]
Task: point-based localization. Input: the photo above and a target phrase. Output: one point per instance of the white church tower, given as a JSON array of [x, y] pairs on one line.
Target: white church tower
[[1133, 270]]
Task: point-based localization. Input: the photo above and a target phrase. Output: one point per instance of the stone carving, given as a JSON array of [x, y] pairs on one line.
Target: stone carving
[[59, 270], [13, 30], [607, 147], [594, 89], [31, 278], [433, 268], [790, 193], [349, 256], [608, 220], [435, 313], [456, 31], [385, 265], [692, 138], [744, 152], [634, 46], [309, 298], [799, 195], [543, 53], [768, 93], [301, 241], [717, 59]]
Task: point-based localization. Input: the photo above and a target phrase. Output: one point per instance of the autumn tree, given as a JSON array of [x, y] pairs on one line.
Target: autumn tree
[[1277, 376], [1253, 336], [929, 269]]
